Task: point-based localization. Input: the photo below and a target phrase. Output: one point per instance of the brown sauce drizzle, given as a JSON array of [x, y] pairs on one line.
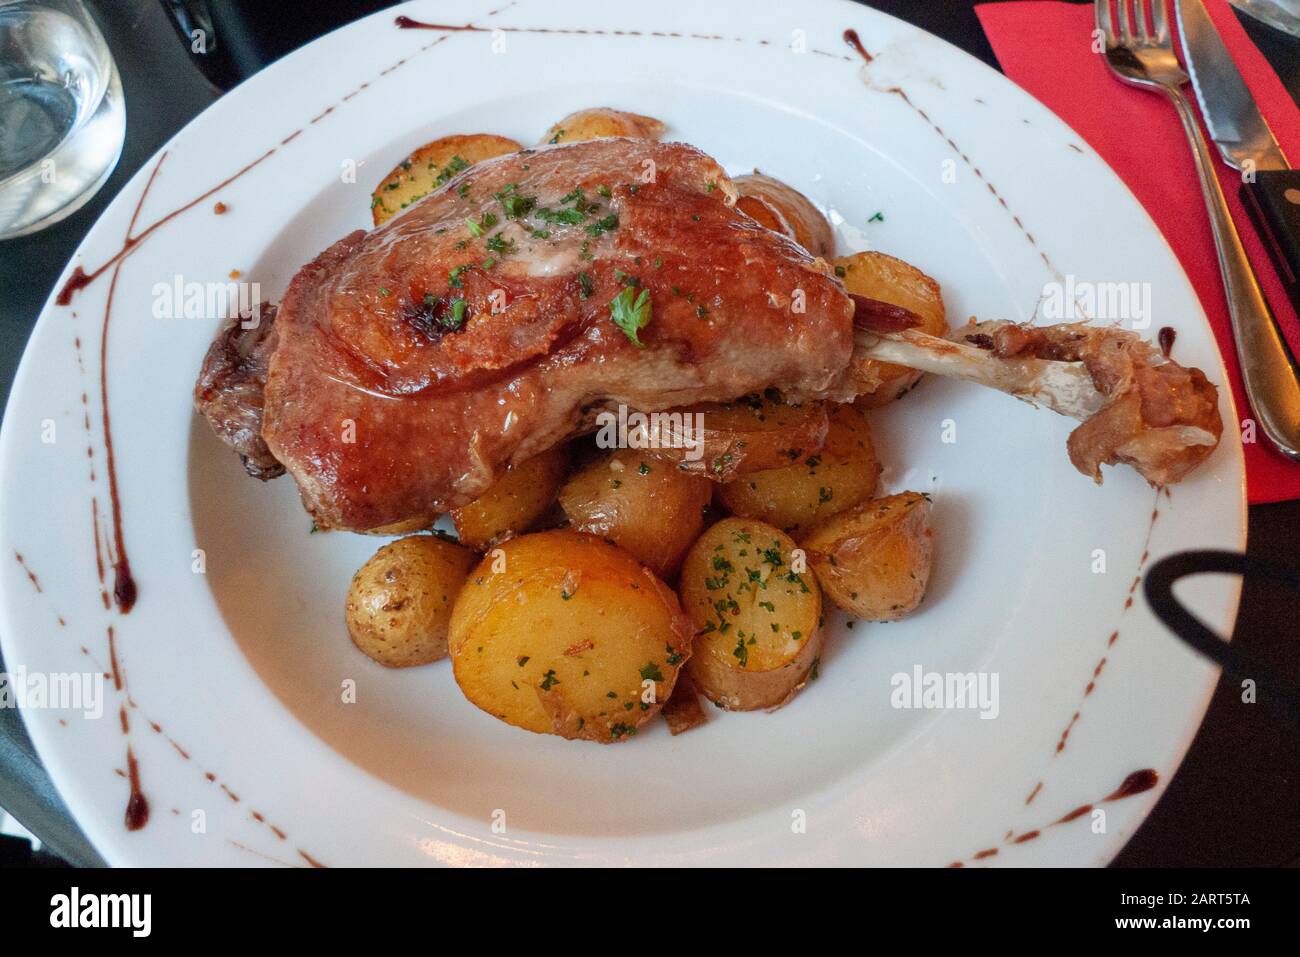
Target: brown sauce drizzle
[[137, 805], [408, 23], [1139, 782], [31, 575], [852, 39], [1110, 641], [80, 279]]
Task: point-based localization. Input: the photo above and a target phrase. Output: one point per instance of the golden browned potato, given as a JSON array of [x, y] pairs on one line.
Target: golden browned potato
[[432, 165], [645, 505], [602, 121], [809, 228], [399, 605], [514, 504], [874, 559], [756, 612], [765, 214], [750, 434], [842, 473], [882, 277], [563, 633]]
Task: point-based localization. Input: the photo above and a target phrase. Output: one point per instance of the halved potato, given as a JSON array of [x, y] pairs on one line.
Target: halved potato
[[765, 214], [563, 633], [514, 504], [399, 605], [878, 276], [603, 121], [842, 473], [757, 616], [645, 505], [810, 228], [874, 559], [750, 434], [430, 167]]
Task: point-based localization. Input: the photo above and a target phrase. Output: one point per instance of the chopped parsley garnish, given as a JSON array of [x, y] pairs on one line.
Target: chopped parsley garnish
[[515, 205], [631, 315], [549, 680], [603, 225], [483, 225], [456, 318], [741, 652], [588, 287], [453, 277], [454, 166], [564, 217], [498, 244]]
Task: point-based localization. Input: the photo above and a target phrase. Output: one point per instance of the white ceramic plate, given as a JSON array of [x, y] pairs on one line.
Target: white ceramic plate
[[234, 677]]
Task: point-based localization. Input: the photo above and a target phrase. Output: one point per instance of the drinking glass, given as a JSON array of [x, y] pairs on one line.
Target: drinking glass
[[62, 119]]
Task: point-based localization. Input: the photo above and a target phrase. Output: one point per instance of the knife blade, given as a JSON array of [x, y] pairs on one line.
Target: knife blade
[[1270, 188]]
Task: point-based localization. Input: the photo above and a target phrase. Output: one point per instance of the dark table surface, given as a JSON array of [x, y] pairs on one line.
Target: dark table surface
[[1233, 802]]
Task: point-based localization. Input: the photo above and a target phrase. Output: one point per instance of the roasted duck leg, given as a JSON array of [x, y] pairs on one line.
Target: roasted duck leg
[[410, 365], [407, 367]]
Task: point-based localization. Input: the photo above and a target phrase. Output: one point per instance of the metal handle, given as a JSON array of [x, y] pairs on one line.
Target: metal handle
[[1267, 369]]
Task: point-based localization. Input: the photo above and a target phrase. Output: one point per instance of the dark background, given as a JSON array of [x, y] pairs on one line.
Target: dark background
[[1232, 804]]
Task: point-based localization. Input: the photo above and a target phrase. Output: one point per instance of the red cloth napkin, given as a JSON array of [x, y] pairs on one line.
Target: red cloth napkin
[[1046, 47]]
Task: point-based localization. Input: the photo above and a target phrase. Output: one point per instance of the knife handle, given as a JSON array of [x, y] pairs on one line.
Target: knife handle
[[1273, 201]]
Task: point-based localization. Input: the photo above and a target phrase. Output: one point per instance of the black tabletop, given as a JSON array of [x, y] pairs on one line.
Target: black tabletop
[[1231, 804]]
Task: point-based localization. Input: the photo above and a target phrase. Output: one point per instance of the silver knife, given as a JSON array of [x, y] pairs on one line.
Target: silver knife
[[1270, 188]]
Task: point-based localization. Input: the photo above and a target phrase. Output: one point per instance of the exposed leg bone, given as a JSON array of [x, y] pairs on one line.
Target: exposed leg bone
[[1136, 406], [1063, 387]]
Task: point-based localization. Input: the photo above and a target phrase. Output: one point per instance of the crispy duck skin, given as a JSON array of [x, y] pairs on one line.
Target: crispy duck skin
[[394, 391], [230, 390]]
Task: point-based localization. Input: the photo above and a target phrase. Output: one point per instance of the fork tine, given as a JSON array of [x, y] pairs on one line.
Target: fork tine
[[1160, 21], [1104, 22], [1140, 19], [1122, 20]]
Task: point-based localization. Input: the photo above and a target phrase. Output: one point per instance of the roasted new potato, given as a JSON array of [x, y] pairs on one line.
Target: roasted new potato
[[882, 277], [873, 560], [399, 604], [765, 214], [803, 221], [645, 505], [431, 166], [514, 504], [756, 612], [843, 472], [602, 121], [750, 434], [563, 633]]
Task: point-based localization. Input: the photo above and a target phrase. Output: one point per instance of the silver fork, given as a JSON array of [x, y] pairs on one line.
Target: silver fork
[[1141, 53]]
